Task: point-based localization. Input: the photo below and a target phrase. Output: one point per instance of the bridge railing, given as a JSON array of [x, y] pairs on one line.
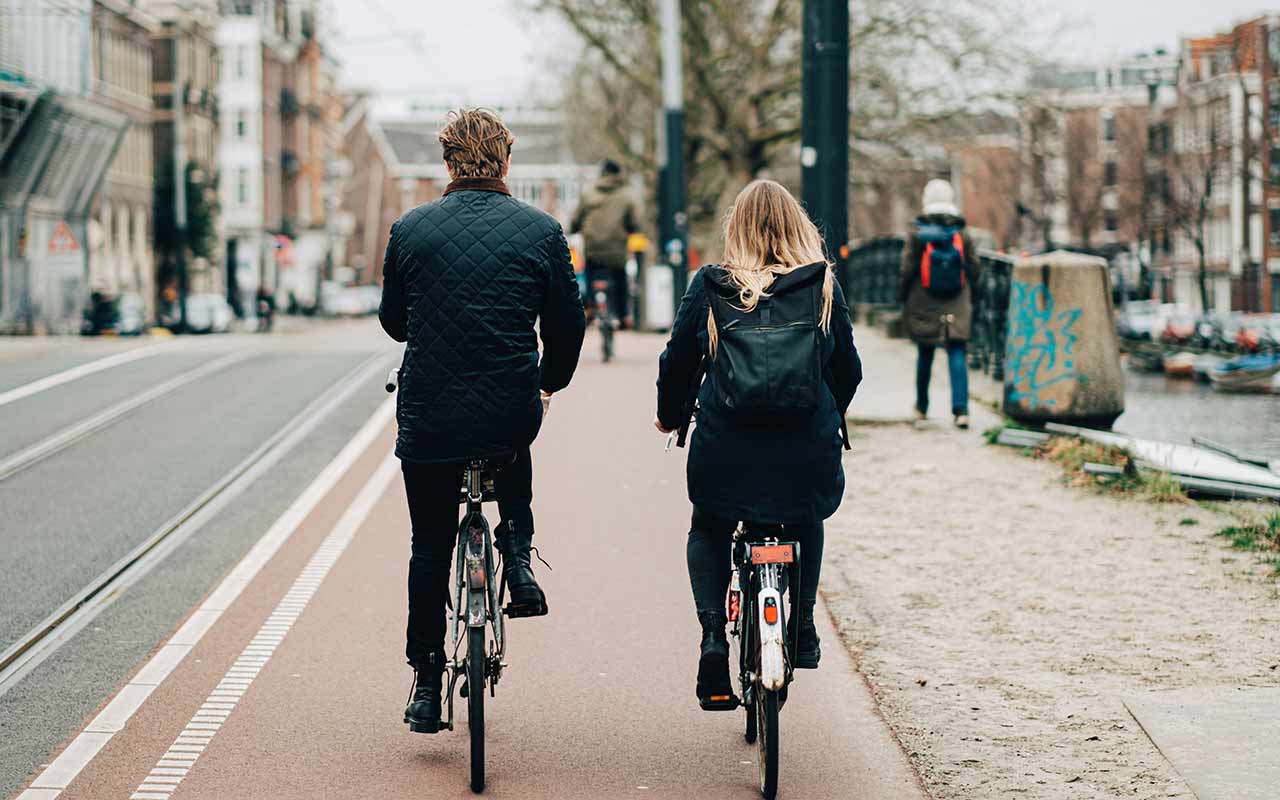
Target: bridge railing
[[874, 269]]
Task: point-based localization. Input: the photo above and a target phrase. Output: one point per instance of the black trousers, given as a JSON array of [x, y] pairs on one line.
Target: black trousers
[[433, 491], [710, 554]]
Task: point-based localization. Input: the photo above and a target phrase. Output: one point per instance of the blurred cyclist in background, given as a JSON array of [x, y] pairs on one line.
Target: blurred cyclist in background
[[606, 216]]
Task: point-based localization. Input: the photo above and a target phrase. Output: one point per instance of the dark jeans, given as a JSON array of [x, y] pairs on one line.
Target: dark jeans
[[710, 554], [956, 367], [619, 302], [433, 491]]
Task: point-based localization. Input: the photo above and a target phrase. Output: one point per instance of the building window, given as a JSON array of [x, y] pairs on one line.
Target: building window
[[242, 62], [242, 186], [1109, 173], [242, 124], [1275, 228], [1108, 128], [1109, 218]]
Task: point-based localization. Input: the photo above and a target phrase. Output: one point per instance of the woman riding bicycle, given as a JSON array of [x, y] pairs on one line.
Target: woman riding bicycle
[[773, 327]]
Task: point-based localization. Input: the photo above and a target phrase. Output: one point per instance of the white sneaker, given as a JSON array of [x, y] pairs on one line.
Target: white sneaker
[[962, 421]]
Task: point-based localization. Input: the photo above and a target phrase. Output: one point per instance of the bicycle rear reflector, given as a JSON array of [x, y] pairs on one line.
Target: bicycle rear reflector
[[735, 604], [773, 554], [770, 611]]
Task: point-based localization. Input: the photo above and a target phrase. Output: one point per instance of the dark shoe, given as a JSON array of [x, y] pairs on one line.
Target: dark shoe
[[527, 598], [808, 645], [715, 688], [423, 711]]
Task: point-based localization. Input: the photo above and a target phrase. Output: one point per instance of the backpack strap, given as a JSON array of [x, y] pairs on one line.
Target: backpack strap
[[958, 242], [691, 402], [925, 261]]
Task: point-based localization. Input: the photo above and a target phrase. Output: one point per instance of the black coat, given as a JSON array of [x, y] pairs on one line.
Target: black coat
[[748, 472], [466, 280]]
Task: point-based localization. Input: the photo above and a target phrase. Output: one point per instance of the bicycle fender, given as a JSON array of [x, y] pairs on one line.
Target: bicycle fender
[[772, 641]]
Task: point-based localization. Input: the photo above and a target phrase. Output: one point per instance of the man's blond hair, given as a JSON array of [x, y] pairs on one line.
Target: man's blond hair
[[476, 143]]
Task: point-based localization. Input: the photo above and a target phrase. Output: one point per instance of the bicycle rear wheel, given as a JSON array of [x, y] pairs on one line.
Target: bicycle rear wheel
[[606, 330], [475, 704], [767, 743]]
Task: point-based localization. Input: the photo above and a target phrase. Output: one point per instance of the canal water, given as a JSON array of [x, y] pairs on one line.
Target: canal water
[[1174, 410]]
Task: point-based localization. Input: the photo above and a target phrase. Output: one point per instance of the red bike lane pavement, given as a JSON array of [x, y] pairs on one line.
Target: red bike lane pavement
[[297, 691]]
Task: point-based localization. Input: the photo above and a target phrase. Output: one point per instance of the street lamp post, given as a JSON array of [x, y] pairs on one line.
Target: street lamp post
[[824, 154], [180, 174], [673, 218]]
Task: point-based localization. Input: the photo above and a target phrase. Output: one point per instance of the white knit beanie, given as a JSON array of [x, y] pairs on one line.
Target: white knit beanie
[[939, 198]]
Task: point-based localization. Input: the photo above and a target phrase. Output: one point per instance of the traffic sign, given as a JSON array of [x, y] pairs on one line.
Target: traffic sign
[[63, 242]]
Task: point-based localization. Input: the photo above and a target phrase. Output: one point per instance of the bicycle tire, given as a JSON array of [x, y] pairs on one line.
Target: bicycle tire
[[475, 704], [751, 732], [767, 744], [606, 332]]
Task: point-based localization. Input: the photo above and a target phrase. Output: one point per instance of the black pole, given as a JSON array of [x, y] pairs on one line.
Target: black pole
[[674, 222], [824, 132]]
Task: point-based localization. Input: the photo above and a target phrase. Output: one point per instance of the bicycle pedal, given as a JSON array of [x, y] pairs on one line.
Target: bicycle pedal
[[517, 612], [719, 702], [425, 727]]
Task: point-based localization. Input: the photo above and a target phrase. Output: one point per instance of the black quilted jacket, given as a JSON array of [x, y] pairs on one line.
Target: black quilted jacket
[[466, 280]]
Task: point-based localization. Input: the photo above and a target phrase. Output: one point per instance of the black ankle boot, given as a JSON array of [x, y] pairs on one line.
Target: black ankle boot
[[715, 688], [423, 711], [527, 598], [808, 646]]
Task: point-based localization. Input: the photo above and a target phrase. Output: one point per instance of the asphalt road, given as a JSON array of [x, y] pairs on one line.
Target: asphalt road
[[67, 518], [297, 687]]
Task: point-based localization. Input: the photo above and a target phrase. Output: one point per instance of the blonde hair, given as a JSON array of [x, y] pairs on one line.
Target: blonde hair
[[767, 234], [476, 143]]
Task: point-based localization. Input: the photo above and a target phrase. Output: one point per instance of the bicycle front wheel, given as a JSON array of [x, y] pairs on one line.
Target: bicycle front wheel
[[475, 704], [767, 743], [606, 330]]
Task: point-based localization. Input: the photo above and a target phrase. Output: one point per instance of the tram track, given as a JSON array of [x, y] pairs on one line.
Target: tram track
[[57, 628]]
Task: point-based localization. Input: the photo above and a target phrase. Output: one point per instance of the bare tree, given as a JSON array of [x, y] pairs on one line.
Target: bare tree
[[916, 64], [1083, 162], [1199, 162], [1044, 182]]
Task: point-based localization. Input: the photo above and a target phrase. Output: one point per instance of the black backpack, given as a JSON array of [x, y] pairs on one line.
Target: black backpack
[[768, 367]]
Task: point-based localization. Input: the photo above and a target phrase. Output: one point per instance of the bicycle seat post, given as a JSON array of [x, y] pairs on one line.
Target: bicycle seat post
[[474, 489]]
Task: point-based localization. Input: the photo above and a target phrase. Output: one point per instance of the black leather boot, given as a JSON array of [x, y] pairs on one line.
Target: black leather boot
[[527, 598], [808, 646], [423, 711], [715, 687]]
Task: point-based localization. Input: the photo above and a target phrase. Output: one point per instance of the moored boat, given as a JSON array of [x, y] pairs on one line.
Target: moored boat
[[1205, 364], [1180, 365], [1247, 374]]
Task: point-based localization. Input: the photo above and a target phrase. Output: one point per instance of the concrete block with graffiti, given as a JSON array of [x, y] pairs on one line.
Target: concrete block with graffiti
[[1062, 356]]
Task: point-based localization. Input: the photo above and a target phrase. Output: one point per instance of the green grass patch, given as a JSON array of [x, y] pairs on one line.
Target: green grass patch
[[1188, 521], [1262, 535], [1072, 454]]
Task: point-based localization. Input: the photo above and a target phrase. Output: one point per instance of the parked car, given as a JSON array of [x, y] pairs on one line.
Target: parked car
[[131, 319], [1252, 333], [1135, 319], [208, 313], [1179, 327]]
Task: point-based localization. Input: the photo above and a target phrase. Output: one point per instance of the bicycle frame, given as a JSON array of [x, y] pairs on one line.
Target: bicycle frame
[[757, 611], [478, 596]]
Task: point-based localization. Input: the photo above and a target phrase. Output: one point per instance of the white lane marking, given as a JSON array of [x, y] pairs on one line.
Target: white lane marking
[[304, 588], [68, 375], [60, 626], [85, 747], [72, 433]]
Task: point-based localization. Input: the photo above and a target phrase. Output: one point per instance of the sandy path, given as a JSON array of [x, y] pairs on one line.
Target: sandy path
[[1000, 616]]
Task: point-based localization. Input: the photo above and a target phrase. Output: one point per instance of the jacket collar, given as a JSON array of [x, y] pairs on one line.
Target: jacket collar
[[478, 185], [794, 279]]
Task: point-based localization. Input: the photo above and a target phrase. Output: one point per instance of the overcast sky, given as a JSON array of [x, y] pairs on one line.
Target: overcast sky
[[494, 52]]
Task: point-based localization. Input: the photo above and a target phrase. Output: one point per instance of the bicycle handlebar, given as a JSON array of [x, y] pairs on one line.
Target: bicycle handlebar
[[393, 380]]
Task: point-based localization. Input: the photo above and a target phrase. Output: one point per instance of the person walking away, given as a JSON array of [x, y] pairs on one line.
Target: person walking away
[[767, 446], [939, 270], [606, 216], [470, 283]]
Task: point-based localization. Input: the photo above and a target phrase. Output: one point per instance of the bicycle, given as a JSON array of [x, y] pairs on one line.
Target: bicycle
[[604, 316], [764, 571], [763, 568], [477, 609]]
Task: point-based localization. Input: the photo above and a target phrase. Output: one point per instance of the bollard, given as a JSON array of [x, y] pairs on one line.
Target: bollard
[[1062, 355]]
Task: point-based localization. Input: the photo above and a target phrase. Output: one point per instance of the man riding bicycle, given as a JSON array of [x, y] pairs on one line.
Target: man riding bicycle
[[469, 283], [606, 217]]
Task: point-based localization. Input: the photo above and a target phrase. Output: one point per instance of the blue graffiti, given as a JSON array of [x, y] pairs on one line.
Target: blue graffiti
[[1040, 345]]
